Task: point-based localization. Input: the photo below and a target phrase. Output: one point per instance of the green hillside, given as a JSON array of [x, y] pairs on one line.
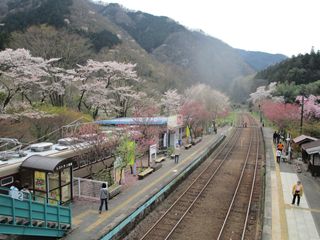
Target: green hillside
[[301, 69]]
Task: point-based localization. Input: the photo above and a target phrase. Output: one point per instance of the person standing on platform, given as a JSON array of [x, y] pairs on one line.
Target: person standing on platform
[[278, 155], [176, 154], [280, 146], [26, 192], [275, 136], [103, 197], [297, 191]]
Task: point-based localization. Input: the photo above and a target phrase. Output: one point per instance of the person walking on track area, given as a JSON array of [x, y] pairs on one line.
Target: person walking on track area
[[103, 197], [297, 191]]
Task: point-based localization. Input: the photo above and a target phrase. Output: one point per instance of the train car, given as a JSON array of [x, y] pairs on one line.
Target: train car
[[85, 158]]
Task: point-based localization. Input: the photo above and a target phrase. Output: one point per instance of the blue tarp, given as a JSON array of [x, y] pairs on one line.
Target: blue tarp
[[135, 121]]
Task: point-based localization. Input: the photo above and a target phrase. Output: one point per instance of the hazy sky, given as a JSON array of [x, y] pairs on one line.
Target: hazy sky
[[289, 27]]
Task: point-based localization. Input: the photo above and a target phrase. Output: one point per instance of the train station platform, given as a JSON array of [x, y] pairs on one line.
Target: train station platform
[[282, 220], [138, 195]]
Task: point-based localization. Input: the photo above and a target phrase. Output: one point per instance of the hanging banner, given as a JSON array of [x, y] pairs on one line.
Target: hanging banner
[[131, 152]]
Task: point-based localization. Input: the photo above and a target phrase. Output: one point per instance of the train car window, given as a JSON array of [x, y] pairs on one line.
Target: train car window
[[65, 176], [83, 163], [6, 181], [75, 165]]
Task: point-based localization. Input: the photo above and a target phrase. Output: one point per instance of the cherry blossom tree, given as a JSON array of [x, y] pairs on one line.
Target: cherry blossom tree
[[146, 134], [20, 72], [214, 101], [280, 113], [100, 82], [262, 93], [311, 106], [195, 116], [91, 142], [171, 102]]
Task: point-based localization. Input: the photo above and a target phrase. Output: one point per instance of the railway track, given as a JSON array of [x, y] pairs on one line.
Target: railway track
[[236, 220], [179, 219]]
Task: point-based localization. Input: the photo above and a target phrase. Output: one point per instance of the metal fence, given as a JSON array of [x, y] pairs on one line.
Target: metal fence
[[88, 188]]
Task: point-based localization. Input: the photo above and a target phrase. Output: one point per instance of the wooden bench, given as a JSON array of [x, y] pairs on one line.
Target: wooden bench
[[196, 141], [187, 146], [156, 167], [145, 173], [160, 159], [114, 190]]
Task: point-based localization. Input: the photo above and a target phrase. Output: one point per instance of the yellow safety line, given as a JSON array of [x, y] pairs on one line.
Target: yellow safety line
[[80, 217], [317, 210], [110, 213], [283, 218]]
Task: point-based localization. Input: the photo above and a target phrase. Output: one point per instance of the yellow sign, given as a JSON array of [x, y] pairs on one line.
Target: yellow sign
[[40, 181]]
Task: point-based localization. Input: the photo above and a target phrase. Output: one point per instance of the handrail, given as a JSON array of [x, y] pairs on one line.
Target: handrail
[[32, 196], [34, 210]]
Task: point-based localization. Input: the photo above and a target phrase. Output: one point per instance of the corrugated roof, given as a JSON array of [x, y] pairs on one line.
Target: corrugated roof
[[43, 163], [311, 147], [135, 121], [302, 138]]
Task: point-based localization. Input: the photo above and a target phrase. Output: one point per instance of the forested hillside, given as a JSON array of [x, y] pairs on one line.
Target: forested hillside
[[206, 59], [260, 60], [301, 69], [167, 54]]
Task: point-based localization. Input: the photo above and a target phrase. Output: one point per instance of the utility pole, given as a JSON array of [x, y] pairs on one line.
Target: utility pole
[[301, 119], [260, 113]]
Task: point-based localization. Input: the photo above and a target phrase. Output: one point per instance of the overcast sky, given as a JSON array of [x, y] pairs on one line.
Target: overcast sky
[[289, 27]]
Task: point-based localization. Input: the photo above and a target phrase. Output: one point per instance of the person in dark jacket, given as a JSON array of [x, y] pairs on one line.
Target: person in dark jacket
[[103, 197]]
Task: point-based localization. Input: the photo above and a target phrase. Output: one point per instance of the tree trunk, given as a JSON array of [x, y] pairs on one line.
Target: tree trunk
[[80, 100]]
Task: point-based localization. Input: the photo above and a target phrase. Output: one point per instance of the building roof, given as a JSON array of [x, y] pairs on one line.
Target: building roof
[[135, 121], [311, 147], [303, 139], [43, 163]]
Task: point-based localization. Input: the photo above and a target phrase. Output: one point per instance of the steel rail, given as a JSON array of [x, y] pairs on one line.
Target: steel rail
[[195, 180], [252, 189], [238, 186]]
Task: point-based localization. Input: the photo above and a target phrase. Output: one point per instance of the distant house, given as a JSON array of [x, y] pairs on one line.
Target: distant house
[[311, 154]]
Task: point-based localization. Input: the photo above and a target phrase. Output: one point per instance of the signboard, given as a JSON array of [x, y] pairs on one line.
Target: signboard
[[40, 180], [152, 152], [175, 121]]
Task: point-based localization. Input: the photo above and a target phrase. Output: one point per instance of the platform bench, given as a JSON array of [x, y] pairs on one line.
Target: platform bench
[[145, 173], [159, 160], [196, 141], [187, 146]]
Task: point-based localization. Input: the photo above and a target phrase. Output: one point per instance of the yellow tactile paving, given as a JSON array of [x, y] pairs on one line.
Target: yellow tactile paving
[[279, 221]]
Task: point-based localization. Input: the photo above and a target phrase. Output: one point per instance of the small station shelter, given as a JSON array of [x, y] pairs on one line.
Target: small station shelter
[[311, 153], [173, 127], [302, 139], [49, 178]]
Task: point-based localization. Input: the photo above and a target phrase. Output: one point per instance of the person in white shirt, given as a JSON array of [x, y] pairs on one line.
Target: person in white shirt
[[278, 155]]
